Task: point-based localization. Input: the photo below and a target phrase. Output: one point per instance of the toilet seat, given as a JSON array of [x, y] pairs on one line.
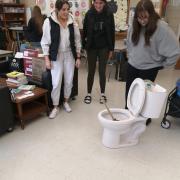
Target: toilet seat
[[136, 97]]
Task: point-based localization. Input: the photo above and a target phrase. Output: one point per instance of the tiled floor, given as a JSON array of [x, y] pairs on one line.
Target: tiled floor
[[69, 147]]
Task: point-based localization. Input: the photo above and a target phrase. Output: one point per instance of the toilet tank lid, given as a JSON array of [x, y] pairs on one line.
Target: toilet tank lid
[[136, 96]]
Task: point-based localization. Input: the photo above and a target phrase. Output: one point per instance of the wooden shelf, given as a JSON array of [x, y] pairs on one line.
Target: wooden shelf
[[11, 12], [12, 5], [14, 20]]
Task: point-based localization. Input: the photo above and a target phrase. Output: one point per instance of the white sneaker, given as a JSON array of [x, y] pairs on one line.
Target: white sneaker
[[53, 113], [67, 107]]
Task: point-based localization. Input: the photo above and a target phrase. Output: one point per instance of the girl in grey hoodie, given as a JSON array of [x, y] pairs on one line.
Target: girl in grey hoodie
[[151, 44]]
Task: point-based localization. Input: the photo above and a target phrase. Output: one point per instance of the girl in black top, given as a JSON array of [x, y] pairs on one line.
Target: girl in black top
[[98, 40], [34, 29]]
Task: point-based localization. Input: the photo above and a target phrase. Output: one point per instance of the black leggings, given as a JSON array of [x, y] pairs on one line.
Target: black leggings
[[93, 55], [133, 73]]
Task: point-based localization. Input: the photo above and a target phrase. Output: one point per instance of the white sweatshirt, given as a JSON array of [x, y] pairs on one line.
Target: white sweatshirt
[[64, 35], [163, 50]]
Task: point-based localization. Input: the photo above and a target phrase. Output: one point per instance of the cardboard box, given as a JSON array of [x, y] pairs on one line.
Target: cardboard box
[[28, 55], [38, 67]]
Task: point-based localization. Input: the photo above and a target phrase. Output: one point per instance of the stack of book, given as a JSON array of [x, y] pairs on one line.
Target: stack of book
[[26, 87], [16, 78]]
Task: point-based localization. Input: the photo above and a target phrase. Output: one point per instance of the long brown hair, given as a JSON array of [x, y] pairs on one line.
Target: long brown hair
[[150, 28], [38, 18]]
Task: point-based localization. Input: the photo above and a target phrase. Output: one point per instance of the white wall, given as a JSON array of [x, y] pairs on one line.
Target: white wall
[[173, 17], [133, 3], [28, 3], [172, 13]]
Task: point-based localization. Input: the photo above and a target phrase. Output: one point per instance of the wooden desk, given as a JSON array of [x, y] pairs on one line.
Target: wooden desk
[[4, 53], [30, 107], [121, 35], [20, 28]]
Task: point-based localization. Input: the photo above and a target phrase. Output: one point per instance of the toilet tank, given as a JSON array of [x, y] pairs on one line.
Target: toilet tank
[[154, 100]]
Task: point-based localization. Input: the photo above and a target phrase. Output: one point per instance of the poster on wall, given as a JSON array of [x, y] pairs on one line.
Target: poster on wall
[[79, 9], [51, 5], [41, 4], [157, 5], [120, 10], [47, 6]]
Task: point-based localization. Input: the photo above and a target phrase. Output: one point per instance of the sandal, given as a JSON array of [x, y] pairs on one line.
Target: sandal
[[103, 99], [148, 121], [87, 99]]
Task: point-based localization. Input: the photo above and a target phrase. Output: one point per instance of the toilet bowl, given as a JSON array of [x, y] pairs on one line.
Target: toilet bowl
[[144, 101]]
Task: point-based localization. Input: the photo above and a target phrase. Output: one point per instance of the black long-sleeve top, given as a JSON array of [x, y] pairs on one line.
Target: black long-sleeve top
[[98, 30]]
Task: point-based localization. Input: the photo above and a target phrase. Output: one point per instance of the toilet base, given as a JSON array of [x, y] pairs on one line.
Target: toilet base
[[117, 139], [133, 143], [123, 143]]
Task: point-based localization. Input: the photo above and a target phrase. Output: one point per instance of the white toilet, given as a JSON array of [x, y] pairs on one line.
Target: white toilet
[[145, 100]]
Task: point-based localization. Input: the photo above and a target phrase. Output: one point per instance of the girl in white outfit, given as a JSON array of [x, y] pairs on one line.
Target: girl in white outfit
[[61, 46]]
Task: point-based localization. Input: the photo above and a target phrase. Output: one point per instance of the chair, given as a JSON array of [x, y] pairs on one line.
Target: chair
[[120, 61], [121, 66], [84, 57], [111, 63], [11, 45]]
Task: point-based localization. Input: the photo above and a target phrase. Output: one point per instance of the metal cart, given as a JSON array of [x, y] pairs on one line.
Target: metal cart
[[172, 108]]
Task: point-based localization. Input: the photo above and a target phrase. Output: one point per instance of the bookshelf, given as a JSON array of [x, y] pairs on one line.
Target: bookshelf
[[12, 14]]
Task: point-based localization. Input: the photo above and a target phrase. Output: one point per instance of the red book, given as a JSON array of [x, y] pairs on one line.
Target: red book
[[31, 53]]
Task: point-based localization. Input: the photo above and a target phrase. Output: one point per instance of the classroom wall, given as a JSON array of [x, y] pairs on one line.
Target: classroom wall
[[172, 13], [173, 17], [28, 3]]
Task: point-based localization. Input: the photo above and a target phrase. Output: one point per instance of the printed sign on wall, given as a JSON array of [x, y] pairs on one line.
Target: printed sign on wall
[[79, 9], [120, 9]]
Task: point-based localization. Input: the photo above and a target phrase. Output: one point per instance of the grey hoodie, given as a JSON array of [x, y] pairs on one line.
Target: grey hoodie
[[163, 50]]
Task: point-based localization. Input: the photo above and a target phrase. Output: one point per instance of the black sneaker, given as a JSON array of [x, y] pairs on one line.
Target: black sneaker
[[148, 121]]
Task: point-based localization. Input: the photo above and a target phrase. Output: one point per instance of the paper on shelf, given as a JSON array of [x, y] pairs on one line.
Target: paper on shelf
[[19, 55]]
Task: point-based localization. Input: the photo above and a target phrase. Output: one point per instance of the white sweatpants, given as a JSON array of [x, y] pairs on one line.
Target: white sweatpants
[[64, 65]]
